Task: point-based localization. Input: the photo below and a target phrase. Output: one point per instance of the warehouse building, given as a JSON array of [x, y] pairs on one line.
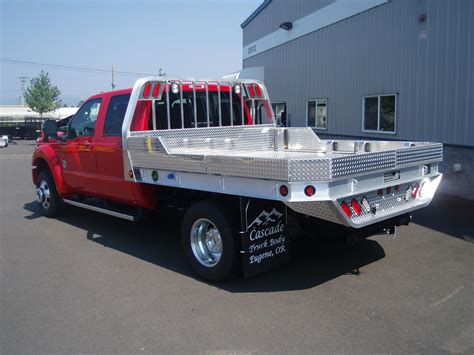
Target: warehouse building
[[371, 69]]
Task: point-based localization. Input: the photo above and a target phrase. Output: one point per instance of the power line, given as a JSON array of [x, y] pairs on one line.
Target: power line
[[73, 68]]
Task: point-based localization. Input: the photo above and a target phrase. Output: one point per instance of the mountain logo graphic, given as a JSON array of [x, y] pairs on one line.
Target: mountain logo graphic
[[266, 218]]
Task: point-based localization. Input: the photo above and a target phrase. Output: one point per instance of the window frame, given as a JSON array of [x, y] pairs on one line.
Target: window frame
[[274, 110], [98, 100], [378, 131], [316, 113]]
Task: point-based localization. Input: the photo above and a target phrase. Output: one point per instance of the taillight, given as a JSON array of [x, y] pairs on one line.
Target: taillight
[[389, 190], [309, 190], [147, 89], [156, 90], [251, 90], [356, 207], [258, 90], [283, 190], [380, 192], [346, 209], [397, 188]]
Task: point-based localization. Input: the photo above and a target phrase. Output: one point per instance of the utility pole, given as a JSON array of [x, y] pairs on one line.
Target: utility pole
[[113, 84], [22, 85]]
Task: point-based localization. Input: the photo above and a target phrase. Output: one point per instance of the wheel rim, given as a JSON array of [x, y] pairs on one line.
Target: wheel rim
[[43, 194], [206, 242]]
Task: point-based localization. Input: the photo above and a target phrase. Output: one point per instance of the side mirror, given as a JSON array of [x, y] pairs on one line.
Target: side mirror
[[50, 129]]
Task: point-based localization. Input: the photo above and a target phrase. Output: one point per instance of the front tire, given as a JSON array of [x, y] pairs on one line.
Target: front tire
[[209, 242], [47, 196]]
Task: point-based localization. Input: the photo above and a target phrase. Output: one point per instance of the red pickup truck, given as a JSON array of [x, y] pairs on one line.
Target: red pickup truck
[[211, 148]]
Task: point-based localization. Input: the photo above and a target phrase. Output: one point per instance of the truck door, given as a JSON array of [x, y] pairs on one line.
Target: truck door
[[109, 154], [77, 159]]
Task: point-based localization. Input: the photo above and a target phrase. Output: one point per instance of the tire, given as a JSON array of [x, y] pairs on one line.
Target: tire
[[209, 242], [47, 196]]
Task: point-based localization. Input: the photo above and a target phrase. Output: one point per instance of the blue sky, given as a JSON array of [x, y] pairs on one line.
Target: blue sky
[[185, 38]]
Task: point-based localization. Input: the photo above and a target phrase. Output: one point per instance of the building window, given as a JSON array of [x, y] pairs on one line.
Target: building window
[[279, 109], [316, 113], [379, 113]]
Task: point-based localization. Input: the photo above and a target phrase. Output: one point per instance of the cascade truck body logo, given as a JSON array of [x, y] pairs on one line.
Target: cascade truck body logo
[[258, 226]]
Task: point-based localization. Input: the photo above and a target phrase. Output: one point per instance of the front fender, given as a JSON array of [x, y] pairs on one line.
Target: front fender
[[45, 157]]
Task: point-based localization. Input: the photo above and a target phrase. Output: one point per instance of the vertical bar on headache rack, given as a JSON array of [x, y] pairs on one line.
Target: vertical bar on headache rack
[[242, 103], [219, 102], [153, 114], [194, 104], [253, 113], [230, 104], [181, 102], [168, 103], [207, 103]]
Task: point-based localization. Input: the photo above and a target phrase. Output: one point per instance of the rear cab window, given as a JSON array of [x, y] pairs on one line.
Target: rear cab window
[[115, 115]]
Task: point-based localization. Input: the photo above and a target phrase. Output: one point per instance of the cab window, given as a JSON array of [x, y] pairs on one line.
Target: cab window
[[115, 115], [84, 121]]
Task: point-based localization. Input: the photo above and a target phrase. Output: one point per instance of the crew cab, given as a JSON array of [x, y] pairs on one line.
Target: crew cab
[[211, 148]]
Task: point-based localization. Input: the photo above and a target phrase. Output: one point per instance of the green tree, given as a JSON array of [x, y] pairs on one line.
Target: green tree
[[41, 96]]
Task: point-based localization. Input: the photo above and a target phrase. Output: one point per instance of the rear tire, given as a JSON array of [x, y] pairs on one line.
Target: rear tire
[[209, 242], [47, 196]]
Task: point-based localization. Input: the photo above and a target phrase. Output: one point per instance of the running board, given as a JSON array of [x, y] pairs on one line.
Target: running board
[[128, 217]]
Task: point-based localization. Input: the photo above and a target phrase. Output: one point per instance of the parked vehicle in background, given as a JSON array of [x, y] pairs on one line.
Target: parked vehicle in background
[[212, 149], [4, 141]]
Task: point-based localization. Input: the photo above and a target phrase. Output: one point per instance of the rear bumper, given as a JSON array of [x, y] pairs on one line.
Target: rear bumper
[[380, 204]]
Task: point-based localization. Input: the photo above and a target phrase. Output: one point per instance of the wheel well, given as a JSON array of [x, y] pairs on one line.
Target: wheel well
[[39, 166]]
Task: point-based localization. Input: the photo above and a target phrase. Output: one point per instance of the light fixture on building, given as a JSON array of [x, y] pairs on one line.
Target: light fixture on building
[[286, 26]]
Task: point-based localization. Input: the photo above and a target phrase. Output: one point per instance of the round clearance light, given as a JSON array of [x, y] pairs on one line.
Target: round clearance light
[[283, 190], [365, 204], [356, 207], [174, 88], [346, 209], [147, 89], [309, 190], [154, 175], [237, 89]]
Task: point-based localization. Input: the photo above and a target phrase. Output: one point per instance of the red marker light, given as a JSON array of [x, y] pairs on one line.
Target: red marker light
[[283, 190], [251, 91], [147, 89], [309, 190], [346, 209], [156, 90], [356, 207]]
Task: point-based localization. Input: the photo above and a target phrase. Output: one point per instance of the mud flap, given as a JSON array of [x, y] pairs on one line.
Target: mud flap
[[264, 231]]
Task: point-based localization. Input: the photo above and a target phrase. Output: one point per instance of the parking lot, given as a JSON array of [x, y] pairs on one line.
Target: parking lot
[[92, 283]]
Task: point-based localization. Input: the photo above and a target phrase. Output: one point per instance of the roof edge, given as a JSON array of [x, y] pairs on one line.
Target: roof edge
[[255, 13]]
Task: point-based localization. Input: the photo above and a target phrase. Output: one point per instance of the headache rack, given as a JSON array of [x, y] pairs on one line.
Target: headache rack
[[220, 136]]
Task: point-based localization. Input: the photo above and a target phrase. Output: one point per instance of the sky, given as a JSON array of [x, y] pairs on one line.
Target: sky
[[186, 38]]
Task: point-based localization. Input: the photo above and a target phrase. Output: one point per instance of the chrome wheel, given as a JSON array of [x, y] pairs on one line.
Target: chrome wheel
[[206, 242], [43, 195]]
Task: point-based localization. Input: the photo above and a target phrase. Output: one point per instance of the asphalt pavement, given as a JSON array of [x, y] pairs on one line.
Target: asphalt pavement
[[89, 283]]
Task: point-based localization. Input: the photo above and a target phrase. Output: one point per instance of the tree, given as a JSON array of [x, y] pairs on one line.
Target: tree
[[41, 96]]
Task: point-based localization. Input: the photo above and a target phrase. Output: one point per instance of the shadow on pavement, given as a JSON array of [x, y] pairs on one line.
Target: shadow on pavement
[[313, 263], [448, 214]]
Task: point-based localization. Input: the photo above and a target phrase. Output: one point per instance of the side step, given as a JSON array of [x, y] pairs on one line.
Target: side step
[[109, 212]]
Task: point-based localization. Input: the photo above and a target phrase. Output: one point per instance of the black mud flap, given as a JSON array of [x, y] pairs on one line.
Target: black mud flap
[[264, 231]]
